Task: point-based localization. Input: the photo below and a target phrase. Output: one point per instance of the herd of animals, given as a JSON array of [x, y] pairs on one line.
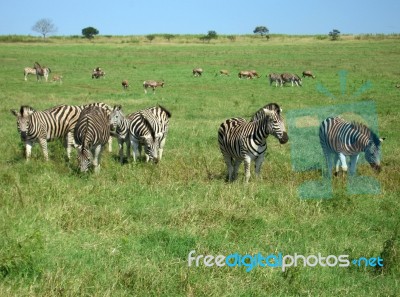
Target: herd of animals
[[90, 127]]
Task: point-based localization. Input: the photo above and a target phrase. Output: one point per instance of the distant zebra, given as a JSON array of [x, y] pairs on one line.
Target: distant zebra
[[142, 133], [55, 122], [91, 133], [27, 71], [293, 78], [41, 71], [339, 138], [197, 71], [275, 77], [241, 140], [152, 84]]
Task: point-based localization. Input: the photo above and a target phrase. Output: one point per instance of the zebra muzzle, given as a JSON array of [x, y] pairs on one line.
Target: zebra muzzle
[[284, 138], [376, 167]]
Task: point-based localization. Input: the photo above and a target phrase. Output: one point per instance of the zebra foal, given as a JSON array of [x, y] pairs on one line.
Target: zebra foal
[[339, 138], [240, 140], [91, 133]]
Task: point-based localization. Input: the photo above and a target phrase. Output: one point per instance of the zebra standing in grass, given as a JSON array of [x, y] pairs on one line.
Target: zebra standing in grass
[[293, 78], [241, 140], [274, 77], [50, 124], [142, 133], [340, 138], [121, 124], [91, 133]]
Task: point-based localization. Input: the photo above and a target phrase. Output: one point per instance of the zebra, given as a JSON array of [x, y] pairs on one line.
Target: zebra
[[293, 78], [241, 140], [341, 138], [122, 124], [91, 133], [55, 122], [142, 133], [274, 77], [27, 71], [41, 71]]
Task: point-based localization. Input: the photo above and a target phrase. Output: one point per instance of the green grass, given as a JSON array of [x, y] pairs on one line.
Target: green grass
[[128, 230]]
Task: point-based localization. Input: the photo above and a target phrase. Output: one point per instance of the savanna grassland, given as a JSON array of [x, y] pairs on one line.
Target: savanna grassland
[[128, 230]]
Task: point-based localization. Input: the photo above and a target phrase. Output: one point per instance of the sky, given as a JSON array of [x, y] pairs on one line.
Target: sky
[[226, 17]]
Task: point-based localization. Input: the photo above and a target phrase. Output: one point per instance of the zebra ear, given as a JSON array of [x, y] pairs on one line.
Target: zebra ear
[[14, 112]]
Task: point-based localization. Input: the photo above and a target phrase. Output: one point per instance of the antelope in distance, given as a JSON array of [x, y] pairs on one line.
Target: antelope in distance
[[308, 73], [57, 78], [41, 71], [125, 84], [255, 73], [27, 71], [152, 84], [197, 71], [223, 72], [97, 73], [246, 74]]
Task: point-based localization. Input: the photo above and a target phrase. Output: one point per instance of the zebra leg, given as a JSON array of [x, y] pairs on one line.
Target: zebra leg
[[229, 161], [43, 144], [121, 150], [96, 158], [236, 168], [28, 150], [343, 162], [328, 157], [258, 163], [161, 149], [110, 144], [69, 142], [135, 146], [353, 164], [247, 161]]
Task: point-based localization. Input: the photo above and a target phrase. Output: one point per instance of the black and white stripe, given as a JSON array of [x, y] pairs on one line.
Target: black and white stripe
[[241, 140], [339, 138], [91, 133], [275, 77]]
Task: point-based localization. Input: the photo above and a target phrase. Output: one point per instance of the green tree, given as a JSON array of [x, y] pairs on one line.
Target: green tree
[[89, 32], [262, 30], [44, 27], [169, 36], [334, 34], [150, 37]]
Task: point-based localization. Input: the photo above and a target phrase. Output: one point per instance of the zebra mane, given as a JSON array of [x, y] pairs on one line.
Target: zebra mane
[[26, 110], [271, 106], [165, 110]]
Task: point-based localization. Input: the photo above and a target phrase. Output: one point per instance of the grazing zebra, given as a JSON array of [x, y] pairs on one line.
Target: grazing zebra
[[274, 77], [241, 140], [142, 133], [125, 84], [152, 84], [197, 71], [340, 139], [41, 71], [50, 124], [293, 78], [91, 133], [27, 71], [246, 74], [308, 73]]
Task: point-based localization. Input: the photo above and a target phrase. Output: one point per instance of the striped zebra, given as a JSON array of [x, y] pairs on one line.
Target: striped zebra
[[274, 77], [340, 138], [55, 122], [91, 133], [293, 78], [159, 125], [142, 133], [41, 71], [241, 140]]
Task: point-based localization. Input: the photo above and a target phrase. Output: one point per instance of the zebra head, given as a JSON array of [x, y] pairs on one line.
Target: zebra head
[[116, 117], [373, 152], [276, 124], [84, 159], [150, 140], [23, 119]]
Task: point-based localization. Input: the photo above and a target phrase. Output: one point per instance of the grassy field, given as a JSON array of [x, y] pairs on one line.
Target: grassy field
[[128, 230]]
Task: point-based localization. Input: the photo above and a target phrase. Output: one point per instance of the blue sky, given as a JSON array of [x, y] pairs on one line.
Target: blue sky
[[200, 16]]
